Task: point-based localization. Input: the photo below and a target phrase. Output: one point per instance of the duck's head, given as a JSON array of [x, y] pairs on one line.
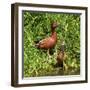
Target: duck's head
[[54, 25]]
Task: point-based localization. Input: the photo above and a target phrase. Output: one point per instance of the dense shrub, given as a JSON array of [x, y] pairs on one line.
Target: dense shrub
[[37, 27]]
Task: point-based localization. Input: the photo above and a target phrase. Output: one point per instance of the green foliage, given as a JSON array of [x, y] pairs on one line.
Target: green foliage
[[36, 27]]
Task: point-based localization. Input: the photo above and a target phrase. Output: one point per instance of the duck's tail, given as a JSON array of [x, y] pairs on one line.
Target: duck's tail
[[37, 45]]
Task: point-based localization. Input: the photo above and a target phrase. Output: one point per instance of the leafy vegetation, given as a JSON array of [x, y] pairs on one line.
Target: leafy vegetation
[[36, 27]]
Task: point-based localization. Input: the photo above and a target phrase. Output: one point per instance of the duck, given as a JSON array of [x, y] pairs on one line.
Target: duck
[[61, 56], [49, 42]]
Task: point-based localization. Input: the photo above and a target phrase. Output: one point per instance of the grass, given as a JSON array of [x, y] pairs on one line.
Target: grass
[[37, 27]]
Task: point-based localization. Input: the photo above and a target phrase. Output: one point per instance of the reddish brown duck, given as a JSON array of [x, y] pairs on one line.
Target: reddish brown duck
[[61, 55], [49, 42]]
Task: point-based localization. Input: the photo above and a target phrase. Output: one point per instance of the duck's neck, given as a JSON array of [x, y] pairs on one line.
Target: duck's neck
[[54, 34]]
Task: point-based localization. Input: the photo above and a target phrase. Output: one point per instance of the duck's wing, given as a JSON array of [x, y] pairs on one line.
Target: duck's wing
[[44, 43]]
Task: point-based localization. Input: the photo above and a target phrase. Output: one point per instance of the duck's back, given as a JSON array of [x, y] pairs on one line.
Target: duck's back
[[47, 43]]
